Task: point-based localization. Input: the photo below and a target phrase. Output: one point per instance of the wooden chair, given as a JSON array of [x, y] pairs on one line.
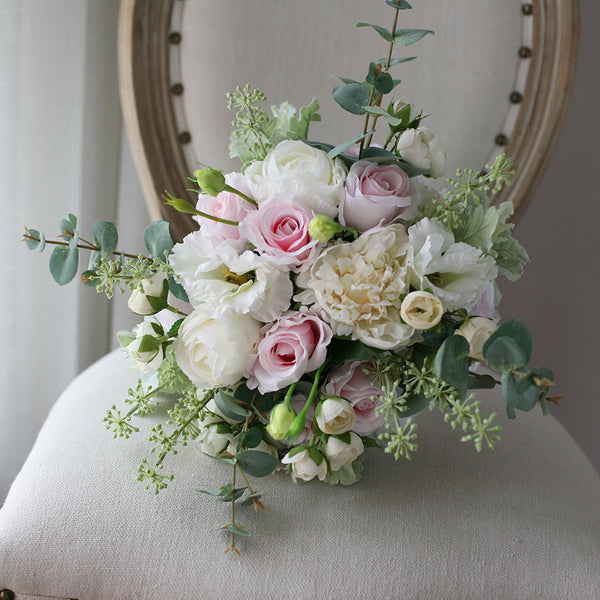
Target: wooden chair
[[519, 522]]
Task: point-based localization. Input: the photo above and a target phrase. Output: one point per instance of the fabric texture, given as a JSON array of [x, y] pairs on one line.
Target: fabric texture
[[521, 521]]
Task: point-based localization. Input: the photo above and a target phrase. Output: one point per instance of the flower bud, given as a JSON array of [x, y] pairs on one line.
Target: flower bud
[[211, 181], [282, 416], [297, 426], [323, 228], [421, 310], [334, 416], [476, 330]]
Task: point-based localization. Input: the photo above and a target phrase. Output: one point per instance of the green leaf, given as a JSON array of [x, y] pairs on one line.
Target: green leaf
[[229, 408], [256, 463], [481, 382], [157, 238], [451, 362], [523, 399], [395, 61], [377, 110], [517, 331], [382, 31], [384, 83], [351, 97], [477, 227], [347, 80], [343, 351], [415, 404], [406, 37], [105, 237], [504, 354], [233, 495], [125, 338], [511, 257], [148, 344], [237, 529], [346, 145], [308, 114], [64, 262], [398, 4], [68, 226], [222, 491], [177, 290], [542, 373], [38, 245], [173, 332]]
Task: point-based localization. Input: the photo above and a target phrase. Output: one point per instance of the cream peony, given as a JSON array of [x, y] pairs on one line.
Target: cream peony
[[476, 330], [358, 286], [295, 168], [421, 310], [212, 349], [420, 148], [340, 453], [457, 273], [219, 280]]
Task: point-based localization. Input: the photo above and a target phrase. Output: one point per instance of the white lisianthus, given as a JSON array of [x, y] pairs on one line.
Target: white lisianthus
[[299, 170], [146, 360], [457, 273], [358, 285], [477, 331], [420, 148], [138, 301], [334, 416], [421, 310], [341, 454], [212, 349], [218, 279], [304, 467]]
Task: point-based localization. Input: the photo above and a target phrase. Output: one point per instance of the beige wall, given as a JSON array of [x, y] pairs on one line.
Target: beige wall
[[559, 295]]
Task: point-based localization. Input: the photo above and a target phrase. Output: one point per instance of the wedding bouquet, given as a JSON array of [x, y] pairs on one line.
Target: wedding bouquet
[[329, 295]]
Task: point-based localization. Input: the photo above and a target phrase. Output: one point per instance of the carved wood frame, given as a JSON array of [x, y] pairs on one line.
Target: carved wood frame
[[147, 92]]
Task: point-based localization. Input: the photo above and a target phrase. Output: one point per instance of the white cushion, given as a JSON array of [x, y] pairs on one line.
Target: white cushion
[[518, 522]]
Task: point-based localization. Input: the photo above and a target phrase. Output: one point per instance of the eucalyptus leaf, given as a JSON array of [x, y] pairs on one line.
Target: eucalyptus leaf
[[398, 4], [105, 237], [347, 145], [39, 244], [386, 34], [384, 83], [406, 37], [64, 262], [237, 529], [415, 404], [229, 408], [377, 110], [516, 330], [68, 226], [395, 61], [256, 463], [452, 363], [157, 238], [343, 351], [481, 382], [236, 494], [524, 400], [351, 97], [222, 491], [504, 354]]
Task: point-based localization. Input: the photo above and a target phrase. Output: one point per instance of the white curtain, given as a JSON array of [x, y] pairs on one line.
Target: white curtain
[[62, 150]]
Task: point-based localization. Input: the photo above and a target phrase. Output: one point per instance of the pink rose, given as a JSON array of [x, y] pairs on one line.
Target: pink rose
[[486, 306], [225, 205], [294, 344], [350, 382], [279, 229], [376, 195]]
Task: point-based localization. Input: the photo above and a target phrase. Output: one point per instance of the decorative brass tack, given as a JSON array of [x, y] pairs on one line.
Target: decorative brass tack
[[527, 9], [524, 52], [184, 138], [7, 595], [177, 89], [501, 140], [174, 37], [516, 97]]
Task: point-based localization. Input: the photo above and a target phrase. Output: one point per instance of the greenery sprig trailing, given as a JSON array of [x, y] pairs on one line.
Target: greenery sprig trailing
[[330, 295]]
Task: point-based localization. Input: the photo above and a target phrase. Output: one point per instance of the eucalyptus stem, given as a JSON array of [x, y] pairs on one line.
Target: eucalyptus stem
[[91, 246]]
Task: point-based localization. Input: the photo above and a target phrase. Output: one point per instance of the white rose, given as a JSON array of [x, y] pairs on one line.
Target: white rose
[[341, 454], [335, 416], [148, 360], [212, 349], [218, 279], [358, 285], [420, 148], [214, 443], [476, 330], [138, 302], [304, 467], [296, 169], [458, 273], [421, 310]]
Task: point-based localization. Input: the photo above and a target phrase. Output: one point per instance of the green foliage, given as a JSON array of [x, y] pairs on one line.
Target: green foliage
[[352, 97], [452, 361], [256, 463], [230, 408], [153, 476], [402, 37], [106, 237], [401, 441], [64, 262], [34, 240], [348, 474], [466, 415], [157, 239], [509, 347]]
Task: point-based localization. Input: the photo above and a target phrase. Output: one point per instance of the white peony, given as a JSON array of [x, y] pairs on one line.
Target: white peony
[[358, 285], [299, 170], [212, 349], [219, 280], [341, 454], [457, 273], [420, 148]]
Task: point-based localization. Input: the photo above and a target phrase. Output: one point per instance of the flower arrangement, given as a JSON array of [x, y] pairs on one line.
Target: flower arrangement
[[329, 295]]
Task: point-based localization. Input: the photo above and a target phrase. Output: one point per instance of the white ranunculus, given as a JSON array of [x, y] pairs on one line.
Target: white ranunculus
[[421, 310], [457, 273], [214, 443], [299, 170], [218, 279], [420, 148], [334, 416], [138, 302], [304, 467], [212, 349], [146, 361], [476, 330], [357, 286], [341, 454]]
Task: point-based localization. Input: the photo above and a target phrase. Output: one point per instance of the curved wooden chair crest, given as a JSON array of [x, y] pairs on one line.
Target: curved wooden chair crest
[[497, 76]]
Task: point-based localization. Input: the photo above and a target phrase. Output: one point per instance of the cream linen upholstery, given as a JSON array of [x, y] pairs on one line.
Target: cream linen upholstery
[[519, 522]]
